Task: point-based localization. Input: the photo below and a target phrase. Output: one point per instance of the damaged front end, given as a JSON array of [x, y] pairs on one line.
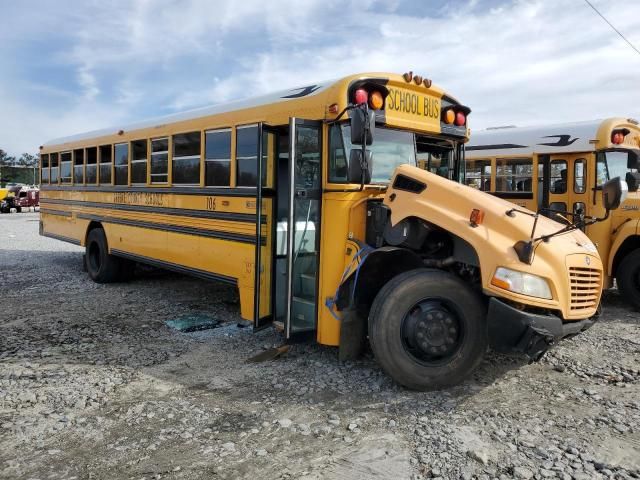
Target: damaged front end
[[512, 330]]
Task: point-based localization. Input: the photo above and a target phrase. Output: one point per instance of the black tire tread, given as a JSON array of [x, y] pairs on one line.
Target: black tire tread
[[111, 267], [418, 379], [629, 266]]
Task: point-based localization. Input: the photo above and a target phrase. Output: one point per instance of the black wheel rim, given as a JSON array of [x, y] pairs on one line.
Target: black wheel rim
[[432, 331], [94, 257]]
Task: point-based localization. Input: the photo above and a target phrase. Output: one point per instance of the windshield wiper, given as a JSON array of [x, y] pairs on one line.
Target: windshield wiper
[[525, 249]]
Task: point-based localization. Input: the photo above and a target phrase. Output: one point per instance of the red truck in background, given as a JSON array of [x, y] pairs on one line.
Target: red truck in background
[[19, 197]]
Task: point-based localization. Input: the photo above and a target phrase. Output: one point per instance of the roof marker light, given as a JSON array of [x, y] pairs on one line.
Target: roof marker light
[[449, 116], [408, 76], [376, 100], [417, 79], [361, 96], [617, 138], [427, 82]]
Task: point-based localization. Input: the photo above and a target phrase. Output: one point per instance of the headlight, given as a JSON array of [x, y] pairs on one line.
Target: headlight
[[520, 282]]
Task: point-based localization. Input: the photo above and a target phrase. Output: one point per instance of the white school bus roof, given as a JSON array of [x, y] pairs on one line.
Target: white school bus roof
[[561, 138], [311, 101]]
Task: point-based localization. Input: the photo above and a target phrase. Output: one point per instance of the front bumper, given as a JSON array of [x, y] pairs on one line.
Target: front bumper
[[513, 330]]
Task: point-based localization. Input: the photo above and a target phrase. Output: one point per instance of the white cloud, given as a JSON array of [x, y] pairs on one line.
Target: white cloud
[[521, 62]]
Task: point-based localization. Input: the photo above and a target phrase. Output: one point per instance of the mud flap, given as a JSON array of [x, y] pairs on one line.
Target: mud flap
[[352, 335]]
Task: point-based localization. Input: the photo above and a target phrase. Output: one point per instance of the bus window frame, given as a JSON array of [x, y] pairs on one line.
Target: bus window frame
[[43, 168], [230, 159], [151, 153], [234, 153], [133, 161], [566, 187], [101, 148], [585, 164], [127, 165], [488, 161], [186, 157], [513, 158], [70, 162]]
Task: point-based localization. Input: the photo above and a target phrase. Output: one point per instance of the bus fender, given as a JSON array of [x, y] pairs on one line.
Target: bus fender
[[627, 239], [379, 266], [357, 292]]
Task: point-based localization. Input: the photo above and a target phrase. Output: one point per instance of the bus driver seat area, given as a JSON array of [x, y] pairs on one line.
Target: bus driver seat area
[[560, 186]]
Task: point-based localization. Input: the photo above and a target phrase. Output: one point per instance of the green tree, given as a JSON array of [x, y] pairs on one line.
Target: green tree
[[28, 160], [6, 159]]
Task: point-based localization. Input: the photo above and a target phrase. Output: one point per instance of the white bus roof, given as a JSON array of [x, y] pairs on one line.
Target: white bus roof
[[274, 97], [568, 137]]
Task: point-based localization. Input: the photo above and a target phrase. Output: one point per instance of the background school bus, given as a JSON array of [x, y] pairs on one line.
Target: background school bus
[[563, 168]]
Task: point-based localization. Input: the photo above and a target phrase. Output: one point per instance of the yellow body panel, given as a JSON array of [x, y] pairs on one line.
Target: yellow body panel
[[449, 205]]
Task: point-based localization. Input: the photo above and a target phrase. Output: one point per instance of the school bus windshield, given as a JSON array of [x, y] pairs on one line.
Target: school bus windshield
[[389, 149], [611, 165]]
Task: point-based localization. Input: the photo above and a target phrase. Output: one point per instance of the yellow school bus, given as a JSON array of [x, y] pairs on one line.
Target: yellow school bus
[[310, 201], [560, 169]]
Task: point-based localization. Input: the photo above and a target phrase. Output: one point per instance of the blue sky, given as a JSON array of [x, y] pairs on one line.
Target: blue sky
[[72, 66]]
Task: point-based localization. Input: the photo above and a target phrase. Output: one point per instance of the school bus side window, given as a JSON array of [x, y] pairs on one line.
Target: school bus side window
[[44, 167], [247, 155], [337, 158], [139, 162], [186, 158], [54, 167], [514, 175], [121, 156], [558, 176], [92, 161], [105, 164], [159, 160], [579, 172], [65, 167], [479, 174], [217, 164], [78, 166]]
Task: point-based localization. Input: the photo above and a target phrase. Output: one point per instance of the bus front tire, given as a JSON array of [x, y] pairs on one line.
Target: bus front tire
[[428, 329], [101, 266], [628, 278]]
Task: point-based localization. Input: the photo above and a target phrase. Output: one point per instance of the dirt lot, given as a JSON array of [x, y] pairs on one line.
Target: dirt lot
[[93, 384]]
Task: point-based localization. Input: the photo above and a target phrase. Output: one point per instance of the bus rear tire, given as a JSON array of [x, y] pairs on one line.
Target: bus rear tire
[[628, 278], [101, 266], [428, 329]]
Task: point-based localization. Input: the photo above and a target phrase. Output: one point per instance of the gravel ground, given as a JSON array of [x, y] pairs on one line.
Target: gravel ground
[[93, 384]]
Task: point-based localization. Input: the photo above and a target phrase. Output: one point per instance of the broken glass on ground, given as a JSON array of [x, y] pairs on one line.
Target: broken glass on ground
[[193, 323]]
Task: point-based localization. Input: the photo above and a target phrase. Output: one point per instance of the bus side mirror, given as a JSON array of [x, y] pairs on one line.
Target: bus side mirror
[[633, 181], [614, 192], [355, 166], [363, 123]]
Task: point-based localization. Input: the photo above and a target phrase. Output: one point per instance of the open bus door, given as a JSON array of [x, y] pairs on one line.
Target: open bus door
[[288, 227], [264, 286], [303, 226]]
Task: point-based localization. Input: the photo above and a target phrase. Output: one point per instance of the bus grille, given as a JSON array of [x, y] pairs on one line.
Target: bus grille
[[585, 288]]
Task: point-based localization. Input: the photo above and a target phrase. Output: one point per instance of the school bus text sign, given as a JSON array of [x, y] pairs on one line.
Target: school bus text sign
[[413, 107]]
